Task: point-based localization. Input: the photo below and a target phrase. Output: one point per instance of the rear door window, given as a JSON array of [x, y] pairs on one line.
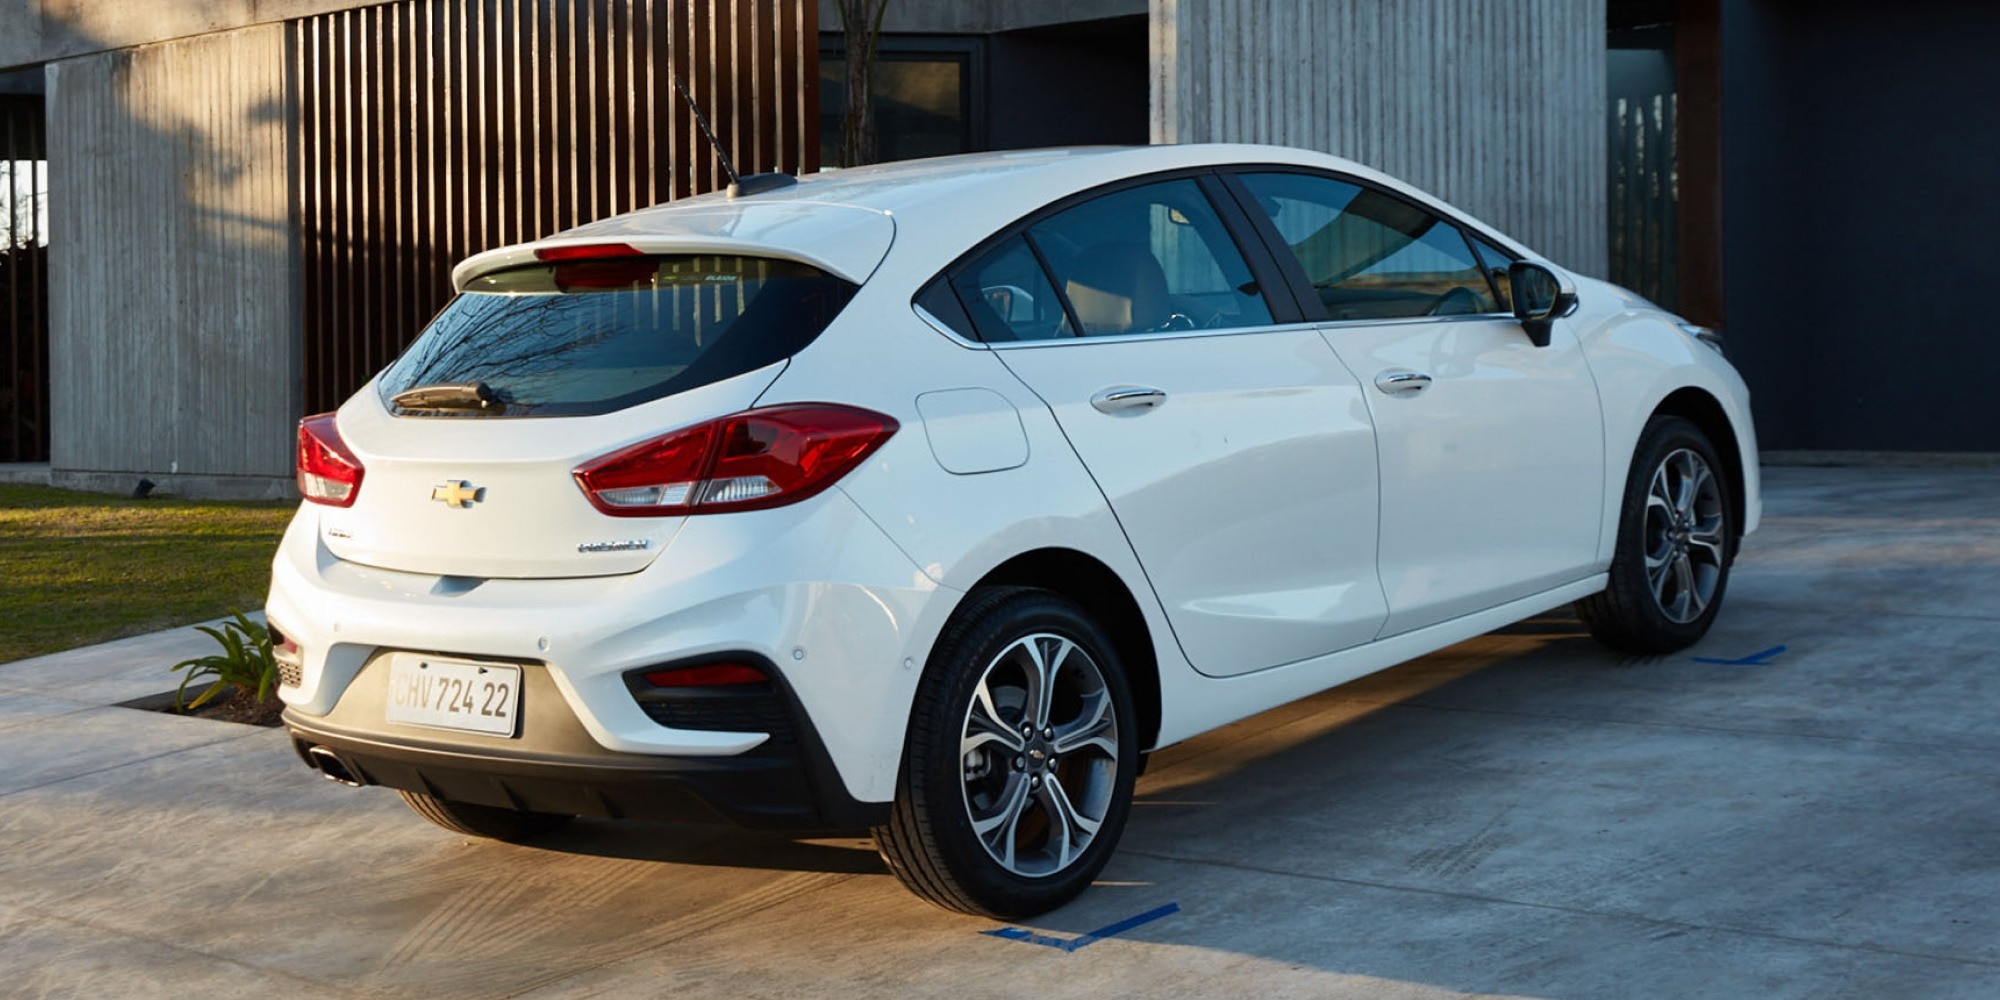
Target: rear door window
[[1151, 259], [594, 336]]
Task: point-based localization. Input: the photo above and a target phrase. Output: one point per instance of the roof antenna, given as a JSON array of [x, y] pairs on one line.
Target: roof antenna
[[739, 185]]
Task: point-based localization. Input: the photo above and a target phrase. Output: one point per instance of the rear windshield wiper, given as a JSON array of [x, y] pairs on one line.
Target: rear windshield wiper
[[448, 396]]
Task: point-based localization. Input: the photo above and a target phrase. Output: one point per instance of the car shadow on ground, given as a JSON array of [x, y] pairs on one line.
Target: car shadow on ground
[[1257, 759], [717, 845]]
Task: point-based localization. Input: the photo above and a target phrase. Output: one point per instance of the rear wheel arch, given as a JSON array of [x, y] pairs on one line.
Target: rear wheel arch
[[1102, 593], [1700, 408]]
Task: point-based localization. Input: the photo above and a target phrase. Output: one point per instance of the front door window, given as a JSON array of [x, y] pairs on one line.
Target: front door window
[[1371, 255]]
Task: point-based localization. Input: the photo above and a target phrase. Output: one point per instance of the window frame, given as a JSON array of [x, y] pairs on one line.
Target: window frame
[[1506, 297], [968, 52], [1277, 287], [1301, 285]]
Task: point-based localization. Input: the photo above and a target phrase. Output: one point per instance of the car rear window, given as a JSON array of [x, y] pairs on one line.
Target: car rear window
[[584, 337]]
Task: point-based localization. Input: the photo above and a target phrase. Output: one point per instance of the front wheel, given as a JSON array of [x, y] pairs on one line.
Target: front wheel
[[1676, 533], [1020, 759]]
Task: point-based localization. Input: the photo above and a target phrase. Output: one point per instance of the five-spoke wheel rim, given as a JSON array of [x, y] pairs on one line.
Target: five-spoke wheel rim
[[1684, 541], [1039, 755]]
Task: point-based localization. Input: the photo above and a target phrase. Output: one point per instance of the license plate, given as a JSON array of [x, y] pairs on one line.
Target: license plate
[[454, 694]]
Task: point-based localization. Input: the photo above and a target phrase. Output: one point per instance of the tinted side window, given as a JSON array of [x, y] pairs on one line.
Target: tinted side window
[[1009, 297], [1150, 259], [1370, 255], [942, 303]]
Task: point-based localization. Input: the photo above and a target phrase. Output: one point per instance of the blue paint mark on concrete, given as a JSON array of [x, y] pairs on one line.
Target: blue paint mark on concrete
[[1072, 944], [1753, 660]]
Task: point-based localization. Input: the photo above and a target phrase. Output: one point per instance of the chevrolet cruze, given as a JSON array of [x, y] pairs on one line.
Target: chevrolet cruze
[[929, 497]]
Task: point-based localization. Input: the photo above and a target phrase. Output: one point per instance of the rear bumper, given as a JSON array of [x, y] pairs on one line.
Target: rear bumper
[[552, 765], [814, 586], [760, 790]]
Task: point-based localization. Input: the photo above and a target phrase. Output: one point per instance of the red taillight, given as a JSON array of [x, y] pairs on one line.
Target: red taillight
[[707, 675], [754, 459], [587, 251], [284, 649], [328, 472]]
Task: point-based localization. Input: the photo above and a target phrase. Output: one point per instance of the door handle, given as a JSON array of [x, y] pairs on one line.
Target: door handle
[[1402, 382], [1128, 399]]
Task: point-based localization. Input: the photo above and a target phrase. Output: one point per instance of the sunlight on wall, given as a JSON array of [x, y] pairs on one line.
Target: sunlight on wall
[[178, 151]]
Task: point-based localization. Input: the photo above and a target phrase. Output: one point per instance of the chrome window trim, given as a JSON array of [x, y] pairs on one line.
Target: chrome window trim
[[1234, 331], [940, 326], [1347, 324], [1132, 338]]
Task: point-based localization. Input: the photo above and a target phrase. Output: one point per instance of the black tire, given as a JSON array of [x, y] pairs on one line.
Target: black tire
[[1649, 607], [491, 822], [932, 841]]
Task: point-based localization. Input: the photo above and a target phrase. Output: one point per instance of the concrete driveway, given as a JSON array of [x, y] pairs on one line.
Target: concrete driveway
[[1523, 814]]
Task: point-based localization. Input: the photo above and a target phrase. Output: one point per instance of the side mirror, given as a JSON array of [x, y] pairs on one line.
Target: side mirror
[[1540, 298]]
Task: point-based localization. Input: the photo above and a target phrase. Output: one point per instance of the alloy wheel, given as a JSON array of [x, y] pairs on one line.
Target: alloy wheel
[[1039, 755], [1684, 546]]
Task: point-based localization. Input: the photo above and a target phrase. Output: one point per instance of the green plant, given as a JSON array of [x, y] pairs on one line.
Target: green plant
[[245, 663]]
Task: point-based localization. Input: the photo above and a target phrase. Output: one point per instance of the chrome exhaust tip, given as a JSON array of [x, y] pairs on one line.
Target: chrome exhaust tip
[[330, 766]]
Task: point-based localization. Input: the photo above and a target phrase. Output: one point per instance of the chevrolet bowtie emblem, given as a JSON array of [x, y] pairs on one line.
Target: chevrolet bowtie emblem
[[458, 493]]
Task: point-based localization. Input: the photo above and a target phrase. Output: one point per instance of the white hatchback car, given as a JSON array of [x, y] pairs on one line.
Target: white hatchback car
[[929, 497]]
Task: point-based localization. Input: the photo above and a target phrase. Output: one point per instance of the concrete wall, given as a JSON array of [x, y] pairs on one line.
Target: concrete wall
[[1496, 107], [39, 31], [173, 287]]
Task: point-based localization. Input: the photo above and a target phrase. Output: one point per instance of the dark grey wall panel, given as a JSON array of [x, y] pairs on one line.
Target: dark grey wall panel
[[982, 17], [1862, 235], [1068, 85]]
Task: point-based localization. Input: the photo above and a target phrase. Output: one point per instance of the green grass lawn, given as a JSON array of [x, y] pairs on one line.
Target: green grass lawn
[[80, 568]]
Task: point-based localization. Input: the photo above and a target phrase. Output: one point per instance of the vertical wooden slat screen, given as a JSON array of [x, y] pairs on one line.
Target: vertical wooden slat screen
[[24, 283], [430, 130]]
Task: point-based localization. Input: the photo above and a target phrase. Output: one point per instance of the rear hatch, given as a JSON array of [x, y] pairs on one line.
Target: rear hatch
[[468, 445]]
